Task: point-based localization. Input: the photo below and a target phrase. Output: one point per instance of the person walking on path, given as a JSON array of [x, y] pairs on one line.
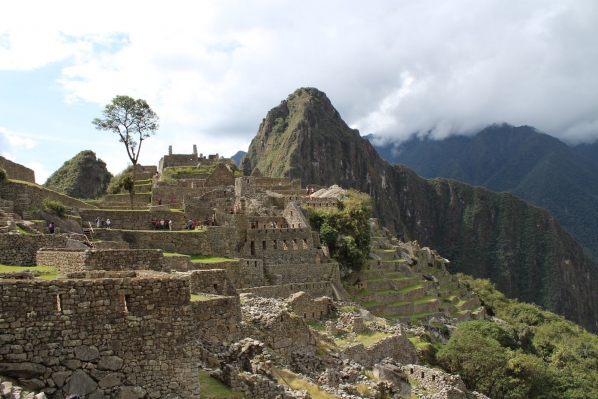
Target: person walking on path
[[170, 224], [171, 200], [97, 222], [108, 223], [51, 227]]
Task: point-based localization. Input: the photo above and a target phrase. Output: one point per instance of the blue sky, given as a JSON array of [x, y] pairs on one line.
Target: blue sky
[[212, 70]]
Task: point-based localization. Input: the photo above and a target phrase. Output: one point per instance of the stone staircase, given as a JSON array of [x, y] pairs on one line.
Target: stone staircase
[[404, 281]]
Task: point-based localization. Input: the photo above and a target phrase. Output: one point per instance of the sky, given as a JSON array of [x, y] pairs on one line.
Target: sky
[[212, 70]]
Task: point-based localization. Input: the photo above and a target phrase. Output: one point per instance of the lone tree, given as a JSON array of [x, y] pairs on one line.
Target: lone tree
[[134, 121]]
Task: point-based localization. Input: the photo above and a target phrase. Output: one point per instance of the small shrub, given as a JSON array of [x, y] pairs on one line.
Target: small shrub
[[3, 176], [54, 206]]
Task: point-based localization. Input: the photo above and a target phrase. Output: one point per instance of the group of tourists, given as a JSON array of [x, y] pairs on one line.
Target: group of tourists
[[191, 225], [161, 224], [309, 191], [102, 223], [256, 225]]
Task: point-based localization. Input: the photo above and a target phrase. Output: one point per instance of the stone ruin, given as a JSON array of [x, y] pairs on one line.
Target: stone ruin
[[130, 320]]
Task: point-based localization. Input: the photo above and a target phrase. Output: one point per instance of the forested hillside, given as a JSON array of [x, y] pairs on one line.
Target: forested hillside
[[531, 165]]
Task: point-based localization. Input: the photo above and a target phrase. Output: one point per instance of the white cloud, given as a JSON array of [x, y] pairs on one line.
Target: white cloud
[[394, 68], [12, 143], [41, 173]]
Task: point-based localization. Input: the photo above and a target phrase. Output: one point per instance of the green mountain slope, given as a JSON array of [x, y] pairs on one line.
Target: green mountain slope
[[522, 248], [83, 176], [534, 166]]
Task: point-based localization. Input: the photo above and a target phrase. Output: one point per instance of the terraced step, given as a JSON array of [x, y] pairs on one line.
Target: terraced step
[[385, 254], [468, 303], [391, 284]]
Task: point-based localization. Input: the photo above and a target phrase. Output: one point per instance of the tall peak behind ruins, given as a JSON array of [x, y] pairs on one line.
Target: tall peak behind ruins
[[521, 248]]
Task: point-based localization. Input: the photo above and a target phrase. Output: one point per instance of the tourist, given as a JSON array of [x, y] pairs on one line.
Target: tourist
[[51, 227], [169, 224], [171, 200], [189, 224], [160, 201], [162, 227], [97, 222], [108, 223], [232, 211], [271, 225], [193, 225], [274, 224]]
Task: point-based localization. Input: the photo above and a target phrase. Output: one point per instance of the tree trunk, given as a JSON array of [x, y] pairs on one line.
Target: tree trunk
[[132, 192]]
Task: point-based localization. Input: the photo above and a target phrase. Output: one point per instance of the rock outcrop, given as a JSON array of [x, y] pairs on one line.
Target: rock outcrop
[[83, 176], [521, 248]]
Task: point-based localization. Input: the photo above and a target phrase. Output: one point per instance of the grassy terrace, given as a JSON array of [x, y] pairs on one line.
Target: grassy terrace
[[169, 231], [203, 258], [46, 273], [293, 380], [365, 339], [211, 388]]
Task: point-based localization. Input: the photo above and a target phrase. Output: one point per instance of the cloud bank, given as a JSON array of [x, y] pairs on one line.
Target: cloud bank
[[394, 68]]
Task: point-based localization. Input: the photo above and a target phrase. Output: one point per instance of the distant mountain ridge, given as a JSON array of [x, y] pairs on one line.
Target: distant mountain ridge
[[521, 248], [521, 160], [83, 176]]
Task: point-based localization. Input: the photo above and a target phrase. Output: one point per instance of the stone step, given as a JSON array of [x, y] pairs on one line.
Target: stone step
[[385, 254]]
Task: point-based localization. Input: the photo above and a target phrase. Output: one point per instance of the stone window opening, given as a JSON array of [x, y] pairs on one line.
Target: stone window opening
[[305, 315], [433, 378], [411, 370], [124, 299], [252, 247], [291, 213], [281, 318], [255, 263], [274, 244], [58, 302], [284, 245], [293, 225], [295, 244], [216, 287], [313, 315], [264, 245], [304, 244], [423, 375]]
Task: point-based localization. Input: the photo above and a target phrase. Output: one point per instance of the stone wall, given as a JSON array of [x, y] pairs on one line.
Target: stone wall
[[397, 347], [245, 273], [74, 260], [17, 171], [319, 289], [304, 273], [294, 216], [281, 245], [213, 281], [138, 199], [217, 320], [134, 220], [14, 191], [104, 338], [434, 380], [304, 306], [177, 160], [64, 260], [216, 241], [221, 176], [21, 249]]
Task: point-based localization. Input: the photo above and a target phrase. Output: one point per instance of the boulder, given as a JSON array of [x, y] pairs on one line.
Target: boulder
[[21, 370]]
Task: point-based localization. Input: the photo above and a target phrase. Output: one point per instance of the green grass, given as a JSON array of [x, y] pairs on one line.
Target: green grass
[[298, 383], [200, 297], [168, 231], [365, 339], [210, 259], [22, 231], [211, 388], [46, 273], [172, 254]]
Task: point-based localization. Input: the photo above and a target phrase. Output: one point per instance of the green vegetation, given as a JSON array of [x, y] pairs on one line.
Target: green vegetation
[[211, 388], [3, 176], [83, 176], [211, 259], [346, 231], [537, 354], [365, 339], [536, 167], [200, 297], [46, 273], [296, 382], [53, 206]]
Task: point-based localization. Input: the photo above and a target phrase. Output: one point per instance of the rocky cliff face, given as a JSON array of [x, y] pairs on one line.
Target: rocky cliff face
[[519, 247], [83, 176]]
